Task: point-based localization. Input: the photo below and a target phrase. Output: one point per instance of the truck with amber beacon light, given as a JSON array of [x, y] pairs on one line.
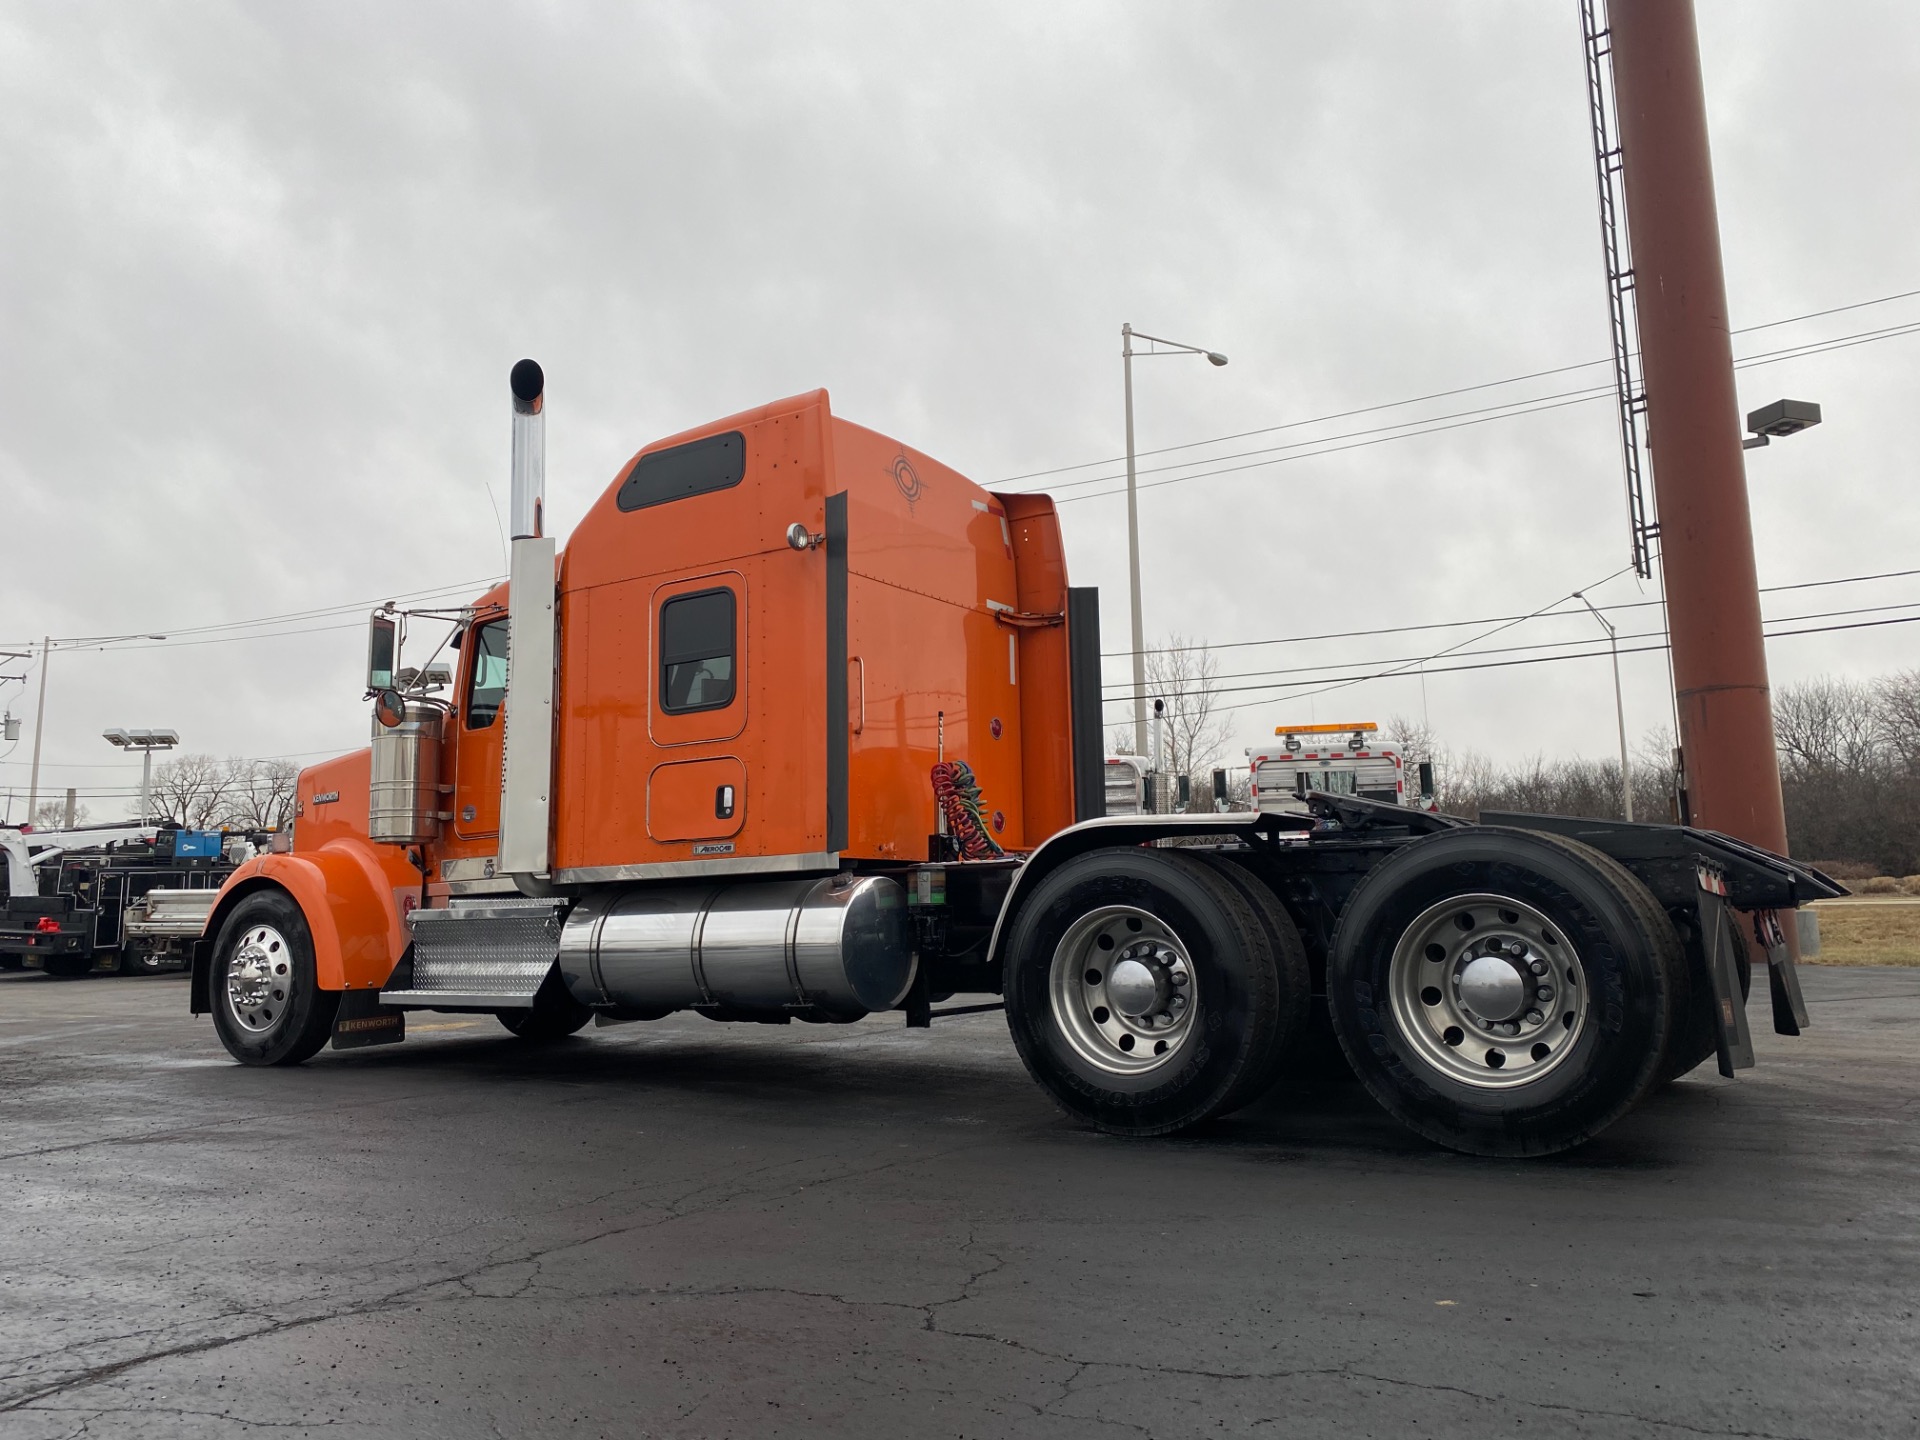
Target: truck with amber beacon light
[[1350, 759], [802, 725]]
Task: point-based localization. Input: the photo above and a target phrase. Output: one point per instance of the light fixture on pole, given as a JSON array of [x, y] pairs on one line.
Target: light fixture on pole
[[146, 742], [1782, 418], [1167, 347], [1619, 706]]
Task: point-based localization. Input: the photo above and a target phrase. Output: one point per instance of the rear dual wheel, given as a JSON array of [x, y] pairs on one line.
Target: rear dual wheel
[[1504, 992], [1148, 990]]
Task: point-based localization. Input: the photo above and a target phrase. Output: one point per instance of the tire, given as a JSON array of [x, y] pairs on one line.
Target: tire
[[1694, 1040], [68, 967], [554, 1015], [12, 962], [268, 1006], [1166, 1065], [1295, 977], [138, 960], [1576, 1002]]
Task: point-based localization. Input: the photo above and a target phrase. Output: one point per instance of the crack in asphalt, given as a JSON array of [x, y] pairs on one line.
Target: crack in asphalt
[[146, 1137], [678, 1209]]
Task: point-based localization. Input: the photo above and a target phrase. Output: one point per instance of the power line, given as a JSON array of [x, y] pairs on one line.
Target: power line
[[1551, 659], [1576, 648], [127, 642], [1484, 620], [1435, 395], [1412, 428]]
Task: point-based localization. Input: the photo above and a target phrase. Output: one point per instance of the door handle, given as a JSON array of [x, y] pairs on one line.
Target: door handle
[[723, 802], [860, 710]]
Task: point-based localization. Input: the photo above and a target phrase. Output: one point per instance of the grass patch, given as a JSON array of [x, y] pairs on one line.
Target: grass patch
[[1868, 934]]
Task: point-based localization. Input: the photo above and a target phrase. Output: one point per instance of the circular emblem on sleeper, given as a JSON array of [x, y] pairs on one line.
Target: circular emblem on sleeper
[[999, 821], [906, 479], [995, 727]]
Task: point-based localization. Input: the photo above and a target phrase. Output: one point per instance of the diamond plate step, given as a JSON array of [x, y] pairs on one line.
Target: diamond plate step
[[487, 953]]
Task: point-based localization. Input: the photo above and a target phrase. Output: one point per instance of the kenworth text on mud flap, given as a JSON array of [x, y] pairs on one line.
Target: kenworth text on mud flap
[[802, 725]]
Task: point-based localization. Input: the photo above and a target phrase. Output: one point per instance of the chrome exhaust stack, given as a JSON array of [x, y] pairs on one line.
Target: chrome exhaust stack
[[527, 498], [526, 776]]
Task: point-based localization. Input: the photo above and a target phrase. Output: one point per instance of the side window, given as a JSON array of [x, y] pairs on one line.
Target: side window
[[696, 651], [698, 467], [487, 681]]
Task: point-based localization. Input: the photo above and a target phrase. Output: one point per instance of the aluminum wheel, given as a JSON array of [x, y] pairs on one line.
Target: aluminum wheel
[[1488, 991], [1123, 989], [260, 979]]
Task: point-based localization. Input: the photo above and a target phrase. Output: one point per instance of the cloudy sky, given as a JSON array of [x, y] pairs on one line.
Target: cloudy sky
[[263, 271]]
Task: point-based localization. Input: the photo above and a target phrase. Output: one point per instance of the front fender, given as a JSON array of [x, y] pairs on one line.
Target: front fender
[[352, 910]]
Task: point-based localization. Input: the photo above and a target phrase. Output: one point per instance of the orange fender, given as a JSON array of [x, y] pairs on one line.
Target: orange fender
[[352, 908]]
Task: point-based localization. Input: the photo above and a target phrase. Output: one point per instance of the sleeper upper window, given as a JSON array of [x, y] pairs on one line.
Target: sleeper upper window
[[719, 462], [697, 651]]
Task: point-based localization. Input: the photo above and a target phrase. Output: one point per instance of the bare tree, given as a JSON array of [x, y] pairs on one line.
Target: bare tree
[[260, 794], [52, 815], [192, 790], [1823, 726], [1898, 696], [1185, 675]]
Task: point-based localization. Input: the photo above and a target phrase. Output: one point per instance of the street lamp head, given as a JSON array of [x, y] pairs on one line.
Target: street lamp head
[[1782, 418], [115, 737], [1214, 357]]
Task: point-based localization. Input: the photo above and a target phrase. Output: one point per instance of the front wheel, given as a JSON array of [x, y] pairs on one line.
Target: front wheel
[[1142, 990], [268, 1006], [1503, 992]]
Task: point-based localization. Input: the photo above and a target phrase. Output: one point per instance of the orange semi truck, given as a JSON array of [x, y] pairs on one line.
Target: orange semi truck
[[803, 725]]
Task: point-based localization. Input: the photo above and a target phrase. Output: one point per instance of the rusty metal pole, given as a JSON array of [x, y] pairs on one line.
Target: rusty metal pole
[[1699, 476]]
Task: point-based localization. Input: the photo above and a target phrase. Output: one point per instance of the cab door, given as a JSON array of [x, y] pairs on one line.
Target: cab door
[[698, 789]]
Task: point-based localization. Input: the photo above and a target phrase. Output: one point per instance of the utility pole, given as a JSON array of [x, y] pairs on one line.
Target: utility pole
[[1706, 532], [39, 726], [1137, 630]]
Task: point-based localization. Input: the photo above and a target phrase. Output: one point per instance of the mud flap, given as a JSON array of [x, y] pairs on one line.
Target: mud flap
[[1732, 1041], [1783, 976], [362, 1020]]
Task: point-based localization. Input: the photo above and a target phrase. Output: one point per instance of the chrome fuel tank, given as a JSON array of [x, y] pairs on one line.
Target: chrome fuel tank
[[838, 947]]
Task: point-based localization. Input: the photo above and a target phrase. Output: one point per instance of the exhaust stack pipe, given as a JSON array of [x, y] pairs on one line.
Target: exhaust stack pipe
[[526, 780], [527, 501]]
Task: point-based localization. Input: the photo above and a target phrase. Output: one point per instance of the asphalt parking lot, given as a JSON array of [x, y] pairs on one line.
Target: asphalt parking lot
[[685, 1229]]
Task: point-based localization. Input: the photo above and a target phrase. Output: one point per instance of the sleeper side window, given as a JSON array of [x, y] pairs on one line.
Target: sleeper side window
[[697, 649], [487, 680]]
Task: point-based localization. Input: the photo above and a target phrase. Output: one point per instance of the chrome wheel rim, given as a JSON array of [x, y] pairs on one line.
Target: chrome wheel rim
[[259, 984], [1124, 991], [1488, 991]]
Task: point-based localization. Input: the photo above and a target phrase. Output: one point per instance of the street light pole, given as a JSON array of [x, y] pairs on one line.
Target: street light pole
[[1133, 559], [39, 725], [1173, 347], [146, 742], [1619, 707]]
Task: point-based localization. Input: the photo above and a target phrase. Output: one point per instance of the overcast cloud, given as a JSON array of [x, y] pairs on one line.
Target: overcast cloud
[[263, 271]]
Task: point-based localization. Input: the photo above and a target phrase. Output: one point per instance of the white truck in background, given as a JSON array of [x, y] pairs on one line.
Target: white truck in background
[[1345, 759]]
